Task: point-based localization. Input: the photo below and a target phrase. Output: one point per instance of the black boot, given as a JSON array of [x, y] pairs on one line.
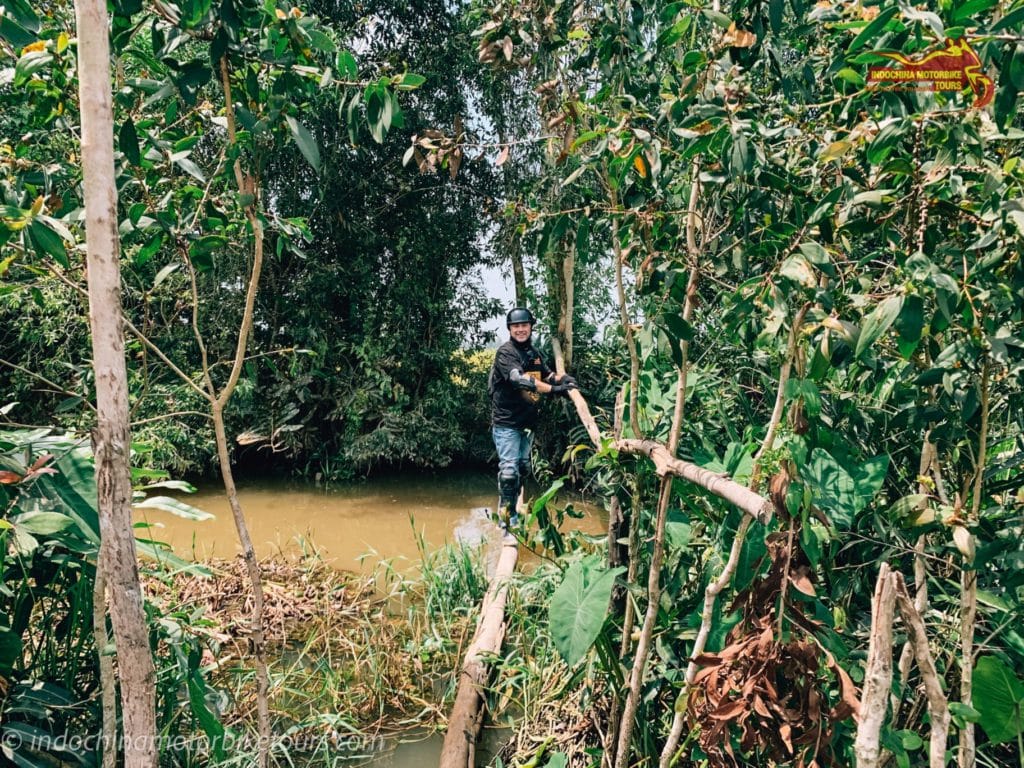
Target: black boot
[[508, 498]]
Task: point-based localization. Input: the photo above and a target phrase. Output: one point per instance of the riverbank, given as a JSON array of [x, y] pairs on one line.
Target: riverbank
[[354, 657]]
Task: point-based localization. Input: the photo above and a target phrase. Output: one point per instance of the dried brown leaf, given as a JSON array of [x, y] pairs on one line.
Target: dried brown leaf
[[729, 710], [786, 733], [802, 583], [738, 38], [760, 708], [707, 660], [41, 461]]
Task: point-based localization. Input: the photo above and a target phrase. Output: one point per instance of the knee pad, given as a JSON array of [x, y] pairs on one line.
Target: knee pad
[[508, 485], [524, 470]]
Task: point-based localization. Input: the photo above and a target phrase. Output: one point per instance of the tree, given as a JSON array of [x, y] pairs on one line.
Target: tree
[[111, 438]]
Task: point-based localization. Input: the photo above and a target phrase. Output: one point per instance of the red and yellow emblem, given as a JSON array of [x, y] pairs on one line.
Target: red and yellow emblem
[[953, 68]]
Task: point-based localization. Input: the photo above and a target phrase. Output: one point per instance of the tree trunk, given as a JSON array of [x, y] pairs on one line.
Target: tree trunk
[[568, 271], [938, 706], [967, 755], [108, 682], [466, 717], [247, 184], [877, 672], [112, 441], [257, 637], [519, 275]]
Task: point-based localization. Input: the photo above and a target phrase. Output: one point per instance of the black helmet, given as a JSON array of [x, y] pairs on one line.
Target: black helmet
[[520, 315]]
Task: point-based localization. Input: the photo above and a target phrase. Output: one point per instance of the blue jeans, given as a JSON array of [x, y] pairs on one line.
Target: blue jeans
[[513, 446]]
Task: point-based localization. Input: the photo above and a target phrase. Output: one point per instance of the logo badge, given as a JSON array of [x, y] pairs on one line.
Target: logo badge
[[954, 68]]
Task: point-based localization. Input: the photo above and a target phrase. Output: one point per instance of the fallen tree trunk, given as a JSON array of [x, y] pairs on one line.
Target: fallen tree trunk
[[740, 496], [467, 713]]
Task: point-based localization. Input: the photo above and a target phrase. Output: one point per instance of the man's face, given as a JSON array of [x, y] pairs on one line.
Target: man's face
[[520, 331]]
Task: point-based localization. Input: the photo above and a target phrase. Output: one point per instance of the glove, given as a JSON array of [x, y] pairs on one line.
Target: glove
[[561, 389], [567, 379]]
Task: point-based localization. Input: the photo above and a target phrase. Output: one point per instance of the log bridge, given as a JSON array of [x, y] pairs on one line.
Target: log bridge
[[459, 750]]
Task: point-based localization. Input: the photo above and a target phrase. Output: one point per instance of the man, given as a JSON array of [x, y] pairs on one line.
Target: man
[[518, 378]]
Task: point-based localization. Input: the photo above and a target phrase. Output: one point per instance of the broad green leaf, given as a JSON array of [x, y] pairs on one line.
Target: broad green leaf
[[162, 554], [972, 7], [822, 209], [834, 151], [910, 740], [29, 64], [752, 556], [164, 273], [191, 169], [799, 270], [548, 495], [321, 41], [1013, 20], [961, 710], [842, 494], [346, 65], [908, 507], [409, 81], [149, 250], [872, 30], [885, 141], [579, 606], [999, 698], [910, 324], [42, 523], [814, 252], [128, 143], [15, 33], [48, 243], [851, 76], [75, 486], [305, 142], [177, 485], [174, 506], [21, 11], [10, 650], [208, 721], [878, 322]]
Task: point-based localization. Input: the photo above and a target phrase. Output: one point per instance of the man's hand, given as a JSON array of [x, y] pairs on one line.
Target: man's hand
[[567, 379], [562, 389]]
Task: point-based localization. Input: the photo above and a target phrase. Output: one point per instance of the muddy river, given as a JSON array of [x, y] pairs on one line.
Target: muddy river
[[354, 526]]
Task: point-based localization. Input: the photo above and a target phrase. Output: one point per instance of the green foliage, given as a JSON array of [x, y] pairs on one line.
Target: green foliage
[[579, 607], [49, 537], [886, 221], [999, 699], [357, 369]]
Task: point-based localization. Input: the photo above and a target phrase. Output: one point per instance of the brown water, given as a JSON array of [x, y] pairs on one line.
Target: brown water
[[353, 527]]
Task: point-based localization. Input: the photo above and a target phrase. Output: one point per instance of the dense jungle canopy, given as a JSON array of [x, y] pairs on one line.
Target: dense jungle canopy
[[756, 260]]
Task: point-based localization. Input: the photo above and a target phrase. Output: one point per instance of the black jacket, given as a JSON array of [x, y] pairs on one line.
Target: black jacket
[[510, 405]]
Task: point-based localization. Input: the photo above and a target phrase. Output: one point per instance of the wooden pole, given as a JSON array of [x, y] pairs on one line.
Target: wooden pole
[[467, 712]]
